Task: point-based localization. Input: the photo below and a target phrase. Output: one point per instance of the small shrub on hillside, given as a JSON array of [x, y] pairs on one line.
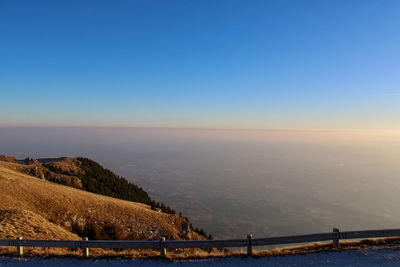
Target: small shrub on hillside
[[97, 232]]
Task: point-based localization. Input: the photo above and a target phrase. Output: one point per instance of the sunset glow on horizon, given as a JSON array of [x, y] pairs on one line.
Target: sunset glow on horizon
[[201, 64]]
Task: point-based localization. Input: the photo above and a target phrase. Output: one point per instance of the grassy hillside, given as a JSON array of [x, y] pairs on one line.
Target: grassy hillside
[[88, 175], [94, 178], [76, 211]]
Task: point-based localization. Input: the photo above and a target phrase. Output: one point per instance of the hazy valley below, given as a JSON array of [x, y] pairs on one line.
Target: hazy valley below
[[235, 182]]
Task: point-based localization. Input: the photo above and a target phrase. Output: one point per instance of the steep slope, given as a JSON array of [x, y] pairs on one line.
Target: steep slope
[[94, 178], [88, 175], [15, 223], [82, 212]]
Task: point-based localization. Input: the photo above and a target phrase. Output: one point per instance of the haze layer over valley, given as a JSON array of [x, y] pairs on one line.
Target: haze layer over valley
[[233, 182]]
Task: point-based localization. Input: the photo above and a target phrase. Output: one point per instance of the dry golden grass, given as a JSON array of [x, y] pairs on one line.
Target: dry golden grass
[[15, 222], [8, 158], [65, 164], [65, 206]]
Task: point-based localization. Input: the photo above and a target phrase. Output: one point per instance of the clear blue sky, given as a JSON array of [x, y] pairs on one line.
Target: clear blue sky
[[235, 64]]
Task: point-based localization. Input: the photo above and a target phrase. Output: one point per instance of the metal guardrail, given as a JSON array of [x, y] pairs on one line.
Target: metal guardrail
[[163, 244]]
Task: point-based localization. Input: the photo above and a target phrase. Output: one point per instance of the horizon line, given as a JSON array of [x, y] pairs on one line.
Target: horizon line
[[324, 129]]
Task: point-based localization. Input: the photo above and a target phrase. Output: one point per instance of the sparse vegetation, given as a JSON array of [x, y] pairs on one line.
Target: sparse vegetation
[[96, 232], [99, 180], [83, 213]]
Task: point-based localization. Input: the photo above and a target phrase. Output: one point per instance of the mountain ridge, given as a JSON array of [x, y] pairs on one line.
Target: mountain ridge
[[24, 188]]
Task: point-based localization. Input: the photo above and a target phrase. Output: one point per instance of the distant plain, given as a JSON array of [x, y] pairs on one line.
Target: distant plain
[[234, 182]]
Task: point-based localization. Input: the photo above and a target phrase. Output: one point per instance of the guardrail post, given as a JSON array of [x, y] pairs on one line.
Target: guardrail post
[[20, 249], [249, 245], [163, 249], [335, 239], [85, 249]]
